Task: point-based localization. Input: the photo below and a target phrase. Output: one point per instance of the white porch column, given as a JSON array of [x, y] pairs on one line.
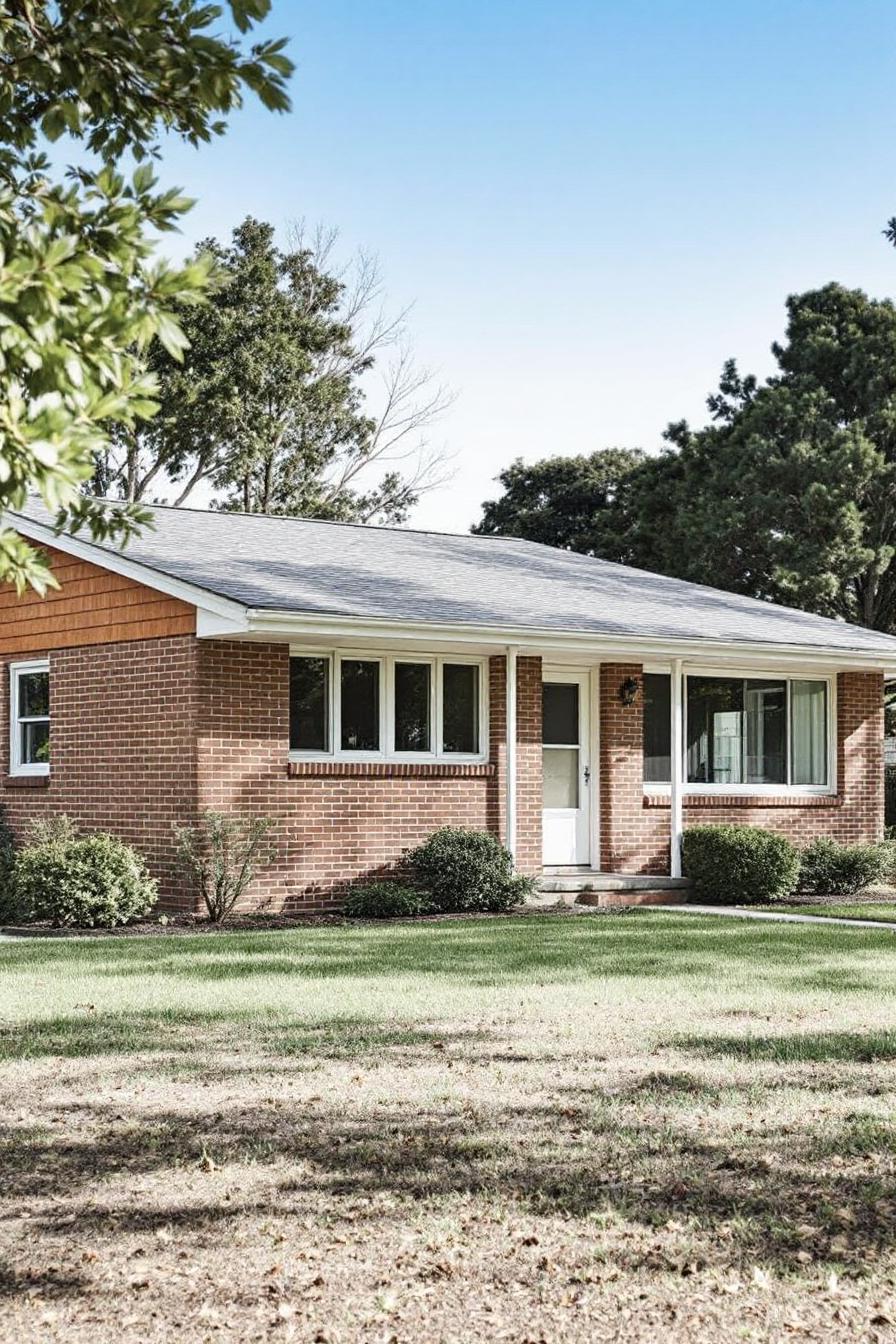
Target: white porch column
[[677, 771], [510, 819]]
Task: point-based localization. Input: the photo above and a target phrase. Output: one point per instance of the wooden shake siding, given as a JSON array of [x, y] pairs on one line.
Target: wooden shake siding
[[92, 606]]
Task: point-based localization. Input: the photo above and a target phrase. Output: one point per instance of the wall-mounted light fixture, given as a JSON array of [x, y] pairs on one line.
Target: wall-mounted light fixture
[[628, 691]]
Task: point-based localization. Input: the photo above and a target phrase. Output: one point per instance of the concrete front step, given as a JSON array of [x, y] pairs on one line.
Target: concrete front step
[[587, 879], [587, 887], [627, 898]]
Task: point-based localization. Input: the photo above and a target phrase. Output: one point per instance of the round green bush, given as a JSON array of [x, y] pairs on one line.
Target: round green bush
[[739, 865], [468, 870], [92, 881], [384, 900], [829, 869]]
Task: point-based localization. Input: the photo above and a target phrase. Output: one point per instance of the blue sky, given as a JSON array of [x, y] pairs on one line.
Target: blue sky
[[590, 205]]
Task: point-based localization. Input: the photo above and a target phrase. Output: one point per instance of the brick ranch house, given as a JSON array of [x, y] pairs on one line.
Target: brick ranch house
[[364, 686]]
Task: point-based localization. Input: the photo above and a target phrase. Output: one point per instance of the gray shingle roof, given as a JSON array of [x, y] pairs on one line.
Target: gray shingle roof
[[298, 565]]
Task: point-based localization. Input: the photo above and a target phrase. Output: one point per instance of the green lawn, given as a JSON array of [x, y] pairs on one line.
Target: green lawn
[[881, 911], [541, 1128]]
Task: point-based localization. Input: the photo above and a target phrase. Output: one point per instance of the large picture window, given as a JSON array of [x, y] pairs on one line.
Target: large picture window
[[741, 732], [389, 707], [29, 703]]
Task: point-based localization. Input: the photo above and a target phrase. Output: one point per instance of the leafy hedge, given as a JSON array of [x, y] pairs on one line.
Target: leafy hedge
[[384, 900], [91, 881], [739, 865], [467, 870], [829, 869]]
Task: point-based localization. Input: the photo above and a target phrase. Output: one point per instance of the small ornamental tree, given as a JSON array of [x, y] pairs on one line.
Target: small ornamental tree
[[222, 855]]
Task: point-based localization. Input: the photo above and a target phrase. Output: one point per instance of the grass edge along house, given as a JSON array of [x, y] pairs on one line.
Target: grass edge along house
[[364, 686]]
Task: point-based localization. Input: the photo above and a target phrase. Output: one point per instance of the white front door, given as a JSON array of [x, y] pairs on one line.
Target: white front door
[[566, 768]]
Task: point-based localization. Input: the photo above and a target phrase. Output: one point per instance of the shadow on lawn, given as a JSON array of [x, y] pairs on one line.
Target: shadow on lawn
[[187, 1035], [810, 1047], [748, 1206], [47, 1283]]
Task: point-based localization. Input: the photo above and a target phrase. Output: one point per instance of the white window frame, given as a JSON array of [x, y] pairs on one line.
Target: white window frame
[[387, 751], [16, 671], [758, 790]]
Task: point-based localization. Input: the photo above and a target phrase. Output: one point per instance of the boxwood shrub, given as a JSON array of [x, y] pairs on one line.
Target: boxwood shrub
[[93, 881], [467, 870], [384, 900], [739, 865], [829, 869]]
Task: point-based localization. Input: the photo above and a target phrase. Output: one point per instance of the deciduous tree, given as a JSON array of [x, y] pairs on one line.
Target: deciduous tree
[[271, 405]]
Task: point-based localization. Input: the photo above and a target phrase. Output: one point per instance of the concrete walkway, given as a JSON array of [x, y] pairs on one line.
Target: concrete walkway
[[735, 912]]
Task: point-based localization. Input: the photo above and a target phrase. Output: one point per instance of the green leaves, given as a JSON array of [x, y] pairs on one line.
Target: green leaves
[[82, 296]]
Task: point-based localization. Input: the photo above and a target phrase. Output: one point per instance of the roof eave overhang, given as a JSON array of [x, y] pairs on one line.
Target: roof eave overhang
[[349, 630]]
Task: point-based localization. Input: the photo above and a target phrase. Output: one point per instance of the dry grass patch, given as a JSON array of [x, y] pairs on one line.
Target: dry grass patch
[[538, 1129]]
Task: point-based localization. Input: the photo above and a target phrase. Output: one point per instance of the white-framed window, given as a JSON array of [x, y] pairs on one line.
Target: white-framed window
[[359, 706], [29, 718], [744, 732]]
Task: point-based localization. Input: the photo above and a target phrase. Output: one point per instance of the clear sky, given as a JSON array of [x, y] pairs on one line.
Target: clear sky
[[591, 204]]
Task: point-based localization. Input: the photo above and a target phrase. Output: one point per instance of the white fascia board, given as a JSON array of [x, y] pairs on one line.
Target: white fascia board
[[274, 625], [129, 569]]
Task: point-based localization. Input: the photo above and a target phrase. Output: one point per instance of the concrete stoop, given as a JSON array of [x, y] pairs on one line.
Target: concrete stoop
[[579, 886]]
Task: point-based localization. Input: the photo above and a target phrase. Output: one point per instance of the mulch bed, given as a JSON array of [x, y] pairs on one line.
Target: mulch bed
[[198, 924]]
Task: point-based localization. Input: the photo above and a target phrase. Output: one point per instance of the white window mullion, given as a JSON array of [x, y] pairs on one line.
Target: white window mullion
[[387, 710]]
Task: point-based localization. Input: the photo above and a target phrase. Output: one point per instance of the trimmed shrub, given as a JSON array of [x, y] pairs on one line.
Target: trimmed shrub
[[829, 869], [222, 855], [384, 900], [468, 870], [739, 865], [93, 881], [10, 910]]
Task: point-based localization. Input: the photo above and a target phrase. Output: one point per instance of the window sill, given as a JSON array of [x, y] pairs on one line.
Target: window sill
[[746, 800], [390, 769], [26, 781]]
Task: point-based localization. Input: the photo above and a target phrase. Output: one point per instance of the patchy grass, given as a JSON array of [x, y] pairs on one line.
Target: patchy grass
[[880, 911], [526, 1129]]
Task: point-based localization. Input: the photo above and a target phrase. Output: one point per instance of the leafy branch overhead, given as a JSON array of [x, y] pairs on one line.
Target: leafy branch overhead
[[81, 294]]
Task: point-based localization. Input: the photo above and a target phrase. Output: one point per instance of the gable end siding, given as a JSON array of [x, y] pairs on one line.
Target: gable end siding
[[92, 606]]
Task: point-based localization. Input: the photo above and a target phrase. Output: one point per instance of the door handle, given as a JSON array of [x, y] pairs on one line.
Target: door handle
[[587, 773]]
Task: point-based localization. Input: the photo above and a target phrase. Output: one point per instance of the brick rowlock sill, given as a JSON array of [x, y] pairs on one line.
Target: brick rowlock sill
[[391, 769]]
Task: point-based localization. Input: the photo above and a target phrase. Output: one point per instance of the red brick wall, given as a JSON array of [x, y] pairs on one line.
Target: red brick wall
[[122, 742], [635, 828], [146, 732], [621, 774], [337, 822]]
